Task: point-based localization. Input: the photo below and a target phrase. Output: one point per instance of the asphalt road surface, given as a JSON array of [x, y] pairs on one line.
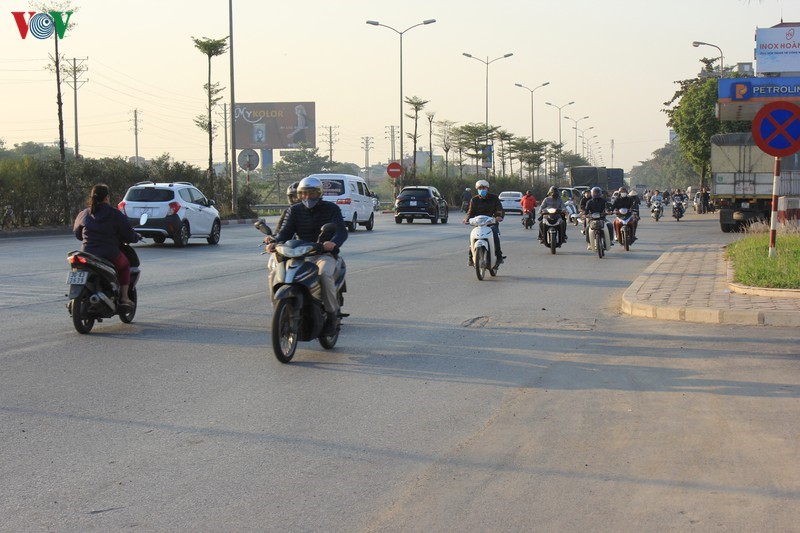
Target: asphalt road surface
[[524, 402]]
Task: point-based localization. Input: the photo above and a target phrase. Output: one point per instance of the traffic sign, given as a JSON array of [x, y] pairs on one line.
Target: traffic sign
[[776, 129], [394, 169]]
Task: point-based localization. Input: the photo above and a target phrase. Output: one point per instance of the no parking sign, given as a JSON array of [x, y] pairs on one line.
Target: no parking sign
[[776, 129]]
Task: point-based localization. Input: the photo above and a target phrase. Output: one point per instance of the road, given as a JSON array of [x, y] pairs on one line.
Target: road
[[524, 402]]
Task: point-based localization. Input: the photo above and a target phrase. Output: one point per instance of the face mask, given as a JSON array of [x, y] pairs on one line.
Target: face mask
[[623, 194], [483, 192], [310, 202]]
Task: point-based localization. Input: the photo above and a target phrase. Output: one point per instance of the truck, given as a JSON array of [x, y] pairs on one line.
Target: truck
[[588, 176], [615, 177], [741, 180]]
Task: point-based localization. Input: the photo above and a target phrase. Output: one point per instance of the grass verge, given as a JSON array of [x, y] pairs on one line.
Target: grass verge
[[752, 265]]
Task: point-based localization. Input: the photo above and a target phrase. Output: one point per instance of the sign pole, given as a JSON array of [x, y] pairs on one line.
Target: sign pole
[[773, 223]]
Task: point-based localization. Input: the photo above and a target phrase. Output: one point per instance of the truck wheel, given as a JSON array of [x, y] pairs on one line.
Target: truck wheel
[[727, 228]]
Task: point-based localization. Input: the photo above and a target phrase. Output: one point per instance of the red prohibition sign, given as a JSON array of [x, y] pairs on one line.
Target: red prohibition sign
[[776, 129]]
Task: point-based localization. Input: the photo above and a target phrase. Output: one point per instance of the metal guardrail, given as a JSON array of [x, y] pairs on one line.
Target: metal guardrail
[[256, 207]]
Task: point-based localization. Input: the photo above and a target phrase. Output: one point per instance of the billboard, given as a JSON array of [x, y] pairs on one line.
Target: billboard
[[741, 98], [276, 125], [778, 49]]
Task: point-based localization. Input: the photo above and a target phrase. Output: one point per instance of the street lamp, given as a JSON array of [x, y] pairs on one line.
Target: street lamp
[[721, 55], [576, 129], [533, 138], [559, 107], [487, 62], [400, 33]]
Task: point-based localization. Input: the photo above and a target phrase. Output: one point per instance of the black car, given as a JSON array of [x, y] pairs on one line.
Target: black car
[[420, 201]]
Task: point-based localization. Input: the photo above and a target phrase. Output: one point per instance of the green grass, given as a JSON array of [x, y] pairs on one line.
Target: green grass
[[753, 266]]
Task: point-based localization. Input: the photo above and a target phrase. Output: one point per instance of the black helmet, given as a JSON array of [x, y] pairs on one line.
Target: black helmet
[[596, 192], [529, 193], [552, 190], [291, 193]]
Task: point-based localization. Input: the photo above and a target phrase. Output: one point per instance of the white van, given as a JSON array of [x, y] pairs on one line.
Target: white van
[[353, 197]]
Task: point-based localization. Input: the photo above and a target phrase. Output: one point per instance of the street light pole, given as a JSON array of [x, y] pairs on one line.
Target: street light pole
[[721, 55], [400, 33], [487, 62], [576, 129], [533, 137], [559, 107]]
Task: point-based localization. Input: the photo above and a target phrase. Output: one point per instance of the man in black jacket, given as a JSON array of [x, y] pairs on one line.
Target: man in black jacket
[[487, 204], [305, 219]]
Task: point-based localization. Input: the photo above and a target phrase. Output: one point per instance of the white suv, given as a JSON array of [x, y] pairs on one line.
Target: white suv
[[174, 210]]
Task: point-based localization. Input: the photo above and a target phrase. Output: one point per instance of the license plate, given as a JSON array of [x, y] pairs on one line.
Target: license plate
[[745, 205], [146, 211], [77, 277], [412, 203]]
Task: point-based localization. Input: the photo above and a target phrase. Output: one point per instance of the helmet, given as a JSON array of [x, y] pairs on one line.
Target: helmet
[[634, 193], [310, 183], [529, 193], [552, 190], [291, 192], [467, 189], [587, 193], [597, 192], [481, 183]]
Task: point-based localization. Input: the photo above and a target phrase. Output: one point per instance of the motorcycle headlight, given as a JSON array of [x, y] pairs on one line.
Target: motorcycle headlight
[[294, 251]]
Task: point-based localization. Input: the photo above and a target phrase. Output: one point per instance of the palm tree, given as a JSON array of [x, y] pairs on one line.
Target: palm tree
[[417, 104], [211, 48]]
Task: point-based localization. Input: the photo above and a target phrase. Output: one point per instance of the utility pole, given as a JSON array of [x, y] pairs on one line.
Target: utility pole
[[225, 122], [391, 138], [367, 144], [76, 70], [612, 153], [329, 138], [136, 134]]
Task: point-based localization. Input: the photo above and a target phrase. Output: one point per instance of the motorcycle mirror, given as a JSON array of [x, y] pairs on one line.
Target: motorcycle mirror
[[261, 226], [143, 219], [326, 232]]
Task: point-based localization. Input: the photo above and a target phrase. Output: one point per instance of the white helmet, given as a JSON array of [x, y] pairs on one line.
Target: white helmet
[[310, 183], [481, 183]]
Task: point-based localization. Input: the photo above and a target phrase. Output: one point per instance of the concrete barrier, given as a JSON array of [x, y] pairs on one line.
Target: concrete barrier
[[788, 209]]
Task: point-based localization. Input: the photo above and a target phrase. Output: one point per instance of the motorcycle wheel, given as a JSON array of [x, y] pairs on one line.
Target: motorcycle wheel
[[599, 242], [79, 307], [553, 244], [656, 216], [480, 262], [626, 239], [284, 331], [127, 318], [329, 341]]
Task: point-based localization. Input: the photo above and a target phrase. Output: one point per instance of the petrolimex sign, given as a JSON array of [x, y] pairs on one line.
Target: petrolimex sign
[[741, 98], [778, 50]]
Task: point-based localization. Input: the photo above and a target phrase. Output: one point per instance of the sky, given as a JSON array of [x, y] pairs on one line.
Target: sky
[[617, 60]]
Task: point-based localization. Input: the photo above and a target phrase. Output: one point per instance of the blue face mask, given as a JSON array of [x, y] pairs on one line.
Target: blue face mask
[[483, 192], [310, 202]]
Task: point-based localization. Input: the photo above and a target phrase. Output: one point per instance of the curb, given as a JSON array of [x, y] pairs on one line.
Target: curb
[[632, 306]]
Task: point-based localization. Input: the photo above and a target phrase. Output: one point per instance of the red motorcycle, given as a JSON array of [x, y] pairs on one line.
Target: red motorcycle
[[624, 226]]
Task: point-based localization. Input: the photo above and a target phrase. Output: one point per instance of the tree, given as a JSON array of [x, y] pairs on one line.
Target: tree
[[430, 116], [667, 169], [505, 137], [446, 141], [693, 118], [417, 104], [211, 48]]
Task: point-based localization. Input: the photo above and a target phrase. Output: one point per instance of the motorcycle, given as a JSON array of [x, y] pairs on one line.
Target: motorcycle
[[94, 289], [623, 225], [528, 219], [296, 293], [678, 210], [551, 224], [599, 235], [656, 210], [481, 245]]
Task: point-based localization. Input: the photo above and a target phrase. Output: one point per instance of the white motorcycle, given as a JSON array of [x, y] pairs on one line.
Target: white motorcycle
[[656, 210], [572, 213], [481, 245], [599, 235]]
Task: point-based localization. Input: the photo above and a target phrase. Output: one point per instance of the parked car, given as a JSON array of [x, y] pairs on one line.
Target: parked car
[[420, 201], [353, 197], [510, 201], [176, 211]]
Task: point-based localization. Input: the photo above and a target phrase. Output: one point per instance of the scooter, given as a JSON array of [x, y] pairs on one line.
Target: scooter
[[296, 293], [656, 210], [551, 224], [623, 225], [572, 212], [94, 290], [481, 245], [599, 234], [528, 219]]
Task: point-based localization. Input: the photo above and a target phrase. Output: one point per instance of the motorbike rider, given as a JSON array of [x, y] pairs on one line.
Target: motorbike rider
[[656, 198], [553, 200], [465, 198], [291, 196], [487, 204], [528, 203], [596, 204], [305, 219], [103, 229], [627, 202]]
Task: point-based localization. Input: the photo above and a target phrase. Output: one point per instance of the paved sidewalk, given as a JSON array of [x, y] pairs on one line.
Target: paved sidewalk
[[691, 283]]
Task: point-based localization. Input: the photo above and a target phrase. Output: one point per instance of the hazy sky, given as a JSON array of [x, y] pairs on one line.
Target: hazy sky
[[616, 59]]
